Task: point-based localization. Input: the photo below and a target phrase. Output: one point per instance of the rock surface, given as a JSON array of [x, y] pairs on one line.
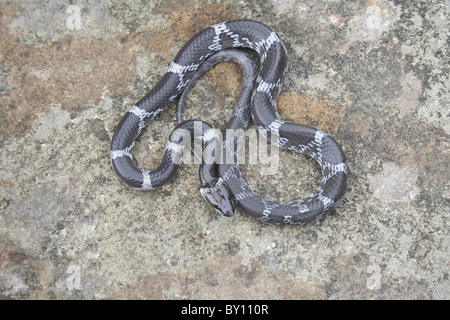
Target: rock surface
[[374, 74]]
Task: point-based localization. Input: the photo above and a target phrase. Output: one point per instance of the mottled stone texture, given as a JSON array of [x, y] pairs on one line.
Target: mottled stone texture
[[374, 74]]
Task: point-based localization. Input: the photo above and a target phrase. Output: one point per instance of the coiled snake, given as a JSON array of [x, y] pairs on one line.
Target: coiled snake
[[222, 183]]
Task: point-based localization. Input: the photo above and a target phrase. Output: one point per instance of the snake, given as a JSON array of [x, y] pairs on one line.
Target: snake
[[223, 185]]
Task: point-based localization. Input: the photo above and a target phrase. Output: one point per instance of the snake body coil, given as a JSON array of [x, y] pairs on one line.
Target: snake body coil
[[258, 101]]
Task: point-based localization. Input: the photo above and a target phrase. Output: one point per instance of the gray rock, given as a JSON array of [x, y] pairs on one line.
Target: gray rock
[[374, 75]]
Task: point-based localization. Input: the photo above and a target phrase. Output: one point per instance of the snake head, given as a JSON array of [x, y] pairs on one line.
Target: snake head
[[219, 196]]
